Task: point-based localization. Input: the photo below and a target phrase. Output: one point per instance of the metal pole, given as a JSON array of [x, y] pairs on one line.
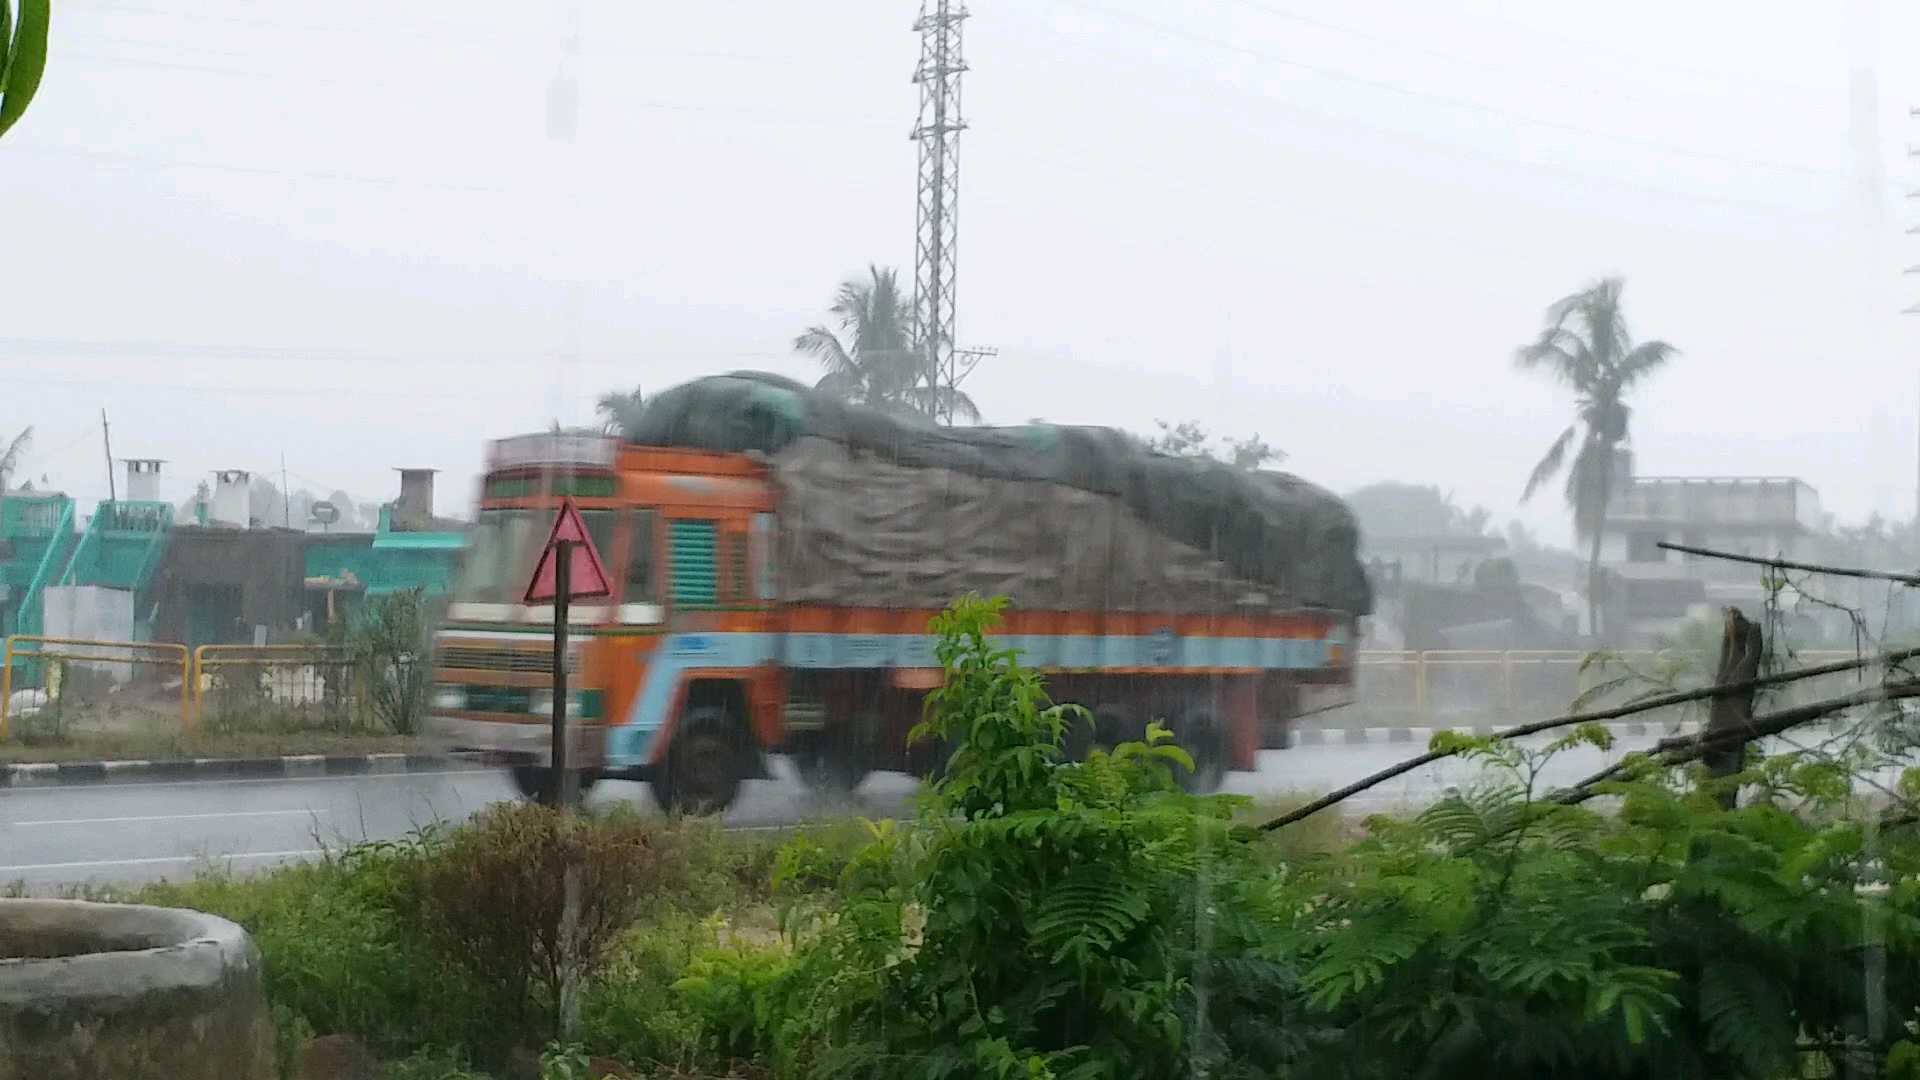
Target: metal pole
[[106, 440], [562, 573]]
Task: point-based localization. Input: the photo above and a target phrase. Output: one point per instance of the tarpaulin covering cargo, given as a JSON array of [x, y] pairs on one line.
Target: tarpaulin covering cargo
[[882, 509]]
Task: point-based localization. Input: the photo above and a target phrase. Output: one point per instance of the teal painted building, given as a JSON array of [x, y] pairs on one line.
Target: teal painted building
[[199, 584]]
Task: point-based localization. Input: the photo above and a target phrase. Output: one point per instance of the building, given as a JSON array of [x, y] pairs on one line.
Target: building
[[219, 578], [1652, 588]]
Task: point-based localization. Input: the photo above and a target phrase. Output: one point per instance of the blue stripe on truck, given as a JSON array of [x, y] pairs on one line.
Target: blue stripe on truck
[[632, 743]]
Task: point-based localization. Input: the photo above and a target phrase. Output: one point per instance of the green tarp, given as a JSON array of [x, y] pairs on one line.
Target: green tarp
[[879, 507]]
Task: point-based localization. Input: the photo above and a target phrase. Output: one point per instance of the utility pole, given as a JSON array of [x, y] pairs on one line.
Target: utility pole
[[106, 440], [937, 206], [1914, 309]]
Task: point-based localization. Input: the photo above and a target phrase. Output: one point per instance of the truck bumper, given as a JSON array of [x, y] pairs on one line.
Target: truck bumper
[[508, 743]]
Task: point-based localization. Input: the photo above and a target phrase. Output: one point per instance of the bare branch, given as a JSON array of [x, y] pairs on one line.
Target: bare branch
[[1684, 748], [1681, 697]]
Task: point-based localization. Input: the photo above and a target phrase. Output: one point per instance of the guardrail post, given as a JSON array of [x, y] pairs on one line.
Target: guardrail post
[[1420, 691], [1506, 680], [199, 691], [6, 685]]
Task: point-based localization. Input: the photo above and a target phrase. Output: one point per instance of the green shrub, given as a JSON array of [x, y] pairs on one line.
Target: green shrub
[[728, 991], [630, 1011], [527, 901], [389, 642]]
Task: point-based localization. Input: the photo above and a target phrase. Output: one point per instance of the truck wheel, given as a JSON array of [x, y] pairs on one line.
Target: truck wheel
[[830, 765], [532, 781], [702, 772], [1202, 737]]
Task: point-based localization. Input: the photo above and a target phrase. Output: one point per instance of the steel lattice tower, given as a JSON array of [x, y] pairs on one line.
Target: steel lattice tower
[[937, 211]]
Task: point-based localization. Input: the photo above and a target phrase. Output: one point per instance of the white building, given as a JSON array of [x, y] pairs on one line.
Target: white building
[[1746, 515]]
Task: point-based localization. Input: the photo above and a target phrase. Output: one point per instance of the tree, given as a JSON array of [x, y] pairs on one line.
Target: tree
[[1188, 439], [1395, 509], [17, 449], [1585, 344], [620, 413], [875, 359], [23, 57]]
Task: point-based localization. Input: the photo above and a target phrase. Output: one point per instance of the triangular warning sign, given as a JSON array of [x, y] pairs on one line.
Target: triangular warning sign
[[585, 575]]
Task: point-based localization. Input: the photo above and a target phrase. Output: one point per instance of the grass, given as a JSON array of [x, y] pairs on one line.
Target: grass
[[164, 746]]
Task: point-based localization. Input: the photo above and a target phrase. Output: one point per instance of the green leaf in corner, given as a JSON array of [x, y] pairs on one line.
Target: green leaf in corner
[[26, 60]]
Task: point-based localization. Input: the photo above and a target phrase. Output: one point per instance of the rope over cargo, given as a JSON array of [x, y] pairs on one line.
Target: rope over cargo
[[880, 508]]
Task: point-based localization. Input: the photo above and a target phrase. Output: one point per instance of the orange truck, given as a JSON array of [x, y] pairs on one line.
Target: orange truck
[[740, 627]]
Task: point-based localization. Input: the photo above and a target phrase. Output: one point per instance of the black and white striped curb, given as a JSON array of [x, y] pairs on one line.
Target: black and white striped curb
[[50, 774], [1332, 736]]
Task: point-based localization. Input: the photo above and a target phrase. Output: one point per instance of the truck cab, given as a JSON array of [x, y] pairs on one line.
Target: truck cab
[[684, 537]]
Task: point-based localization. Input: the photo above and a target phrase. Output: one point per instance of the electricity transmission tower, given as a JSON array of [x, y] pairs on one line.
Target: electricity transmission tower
[[937, 208]]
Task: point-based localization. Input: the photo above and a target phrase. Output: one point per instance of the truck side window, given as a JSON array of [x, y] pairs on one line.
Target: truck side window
[[641, 586], [763, 555]]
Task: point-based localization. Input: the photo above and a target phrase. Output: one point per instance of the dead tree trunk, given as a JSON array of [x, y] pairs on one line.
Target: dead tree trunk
[[1740, 649]]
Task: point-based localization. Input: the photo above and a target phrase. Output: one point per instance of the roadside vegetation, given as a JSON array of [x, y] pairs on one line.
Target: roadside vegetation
[[1039, 918]]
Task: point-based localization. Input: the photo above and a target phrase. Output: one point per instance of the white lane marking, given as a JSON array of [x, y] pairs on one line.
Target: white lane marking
[[159, 860], [170, 817], [69, 789]]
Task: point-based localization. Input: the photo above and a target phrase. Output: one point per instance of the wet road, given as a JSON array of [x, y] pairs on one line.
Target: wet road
[[132, 832]]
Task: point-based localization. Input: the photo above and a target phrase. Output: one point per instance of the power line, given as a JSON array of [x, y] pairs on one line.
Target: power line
[[110, 158], [1793, 91], [1445, 99]]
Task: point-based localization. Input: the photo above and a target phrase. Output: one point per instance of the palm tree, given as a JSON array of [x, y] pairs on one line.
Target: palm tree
[[620, 413], [874, 358], [1585, 344], [10, 458]]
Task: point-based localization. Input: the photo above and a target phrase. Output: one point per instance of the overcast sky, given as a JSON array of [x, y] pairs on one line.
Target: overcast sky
[[350, 234]]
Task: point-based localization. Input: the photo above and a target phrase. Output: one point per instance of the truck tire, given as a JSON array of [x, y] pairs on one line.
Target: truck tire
[[1205, 740], [702, 772], [835, 762], [532, 781]]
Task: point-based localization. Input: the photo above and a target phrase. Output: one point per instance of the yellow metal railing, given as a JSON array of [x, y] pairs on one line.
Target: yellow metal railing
[[297, 675], [1388, 670], [87, 650]]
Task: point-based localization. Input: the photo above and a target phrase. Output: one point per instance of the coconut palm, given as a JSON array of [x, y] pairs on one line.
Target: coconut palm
[[1585, 344], [620, 413], [10, 458], [874, 359]]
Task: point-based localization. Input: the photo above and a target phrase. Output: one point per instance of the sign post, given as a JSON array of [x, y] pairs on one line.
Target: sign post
[[568, 569]]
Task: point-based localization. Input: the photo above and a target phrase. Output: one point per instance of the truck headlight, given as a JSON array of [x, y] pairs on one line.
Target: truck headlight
[[450, 697], [540, 702]]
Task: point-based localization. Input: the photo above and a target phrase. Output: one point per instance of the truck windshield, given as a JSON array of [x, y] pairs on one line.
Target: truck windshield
[[503, 546], [500, 553]]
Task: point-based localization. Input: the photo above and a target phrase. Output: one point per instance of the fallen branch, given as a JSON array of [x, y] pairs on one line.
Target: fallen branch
[[1789, 564], [1681, 749], [1661, 701]]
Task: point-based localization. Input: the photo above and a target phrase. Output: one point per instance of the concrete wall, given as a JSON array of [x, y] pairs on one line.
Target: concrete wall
[[118, 992], [91, 613]]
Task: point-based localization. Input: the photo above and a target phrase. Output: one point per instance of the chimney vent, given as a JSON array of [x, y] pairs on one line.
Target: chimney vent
[[232, 498], [143, 479], [415, 505]]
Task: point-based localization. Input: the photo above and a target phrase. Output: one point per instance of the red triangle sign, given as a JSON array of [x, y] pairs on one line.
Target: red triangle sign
[[585, 575]]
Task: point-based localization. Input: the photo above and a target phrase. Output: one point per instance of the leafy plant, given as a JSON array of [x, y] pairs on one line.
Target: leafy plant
[[1040, 918], [23, 59], [387, 641]]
